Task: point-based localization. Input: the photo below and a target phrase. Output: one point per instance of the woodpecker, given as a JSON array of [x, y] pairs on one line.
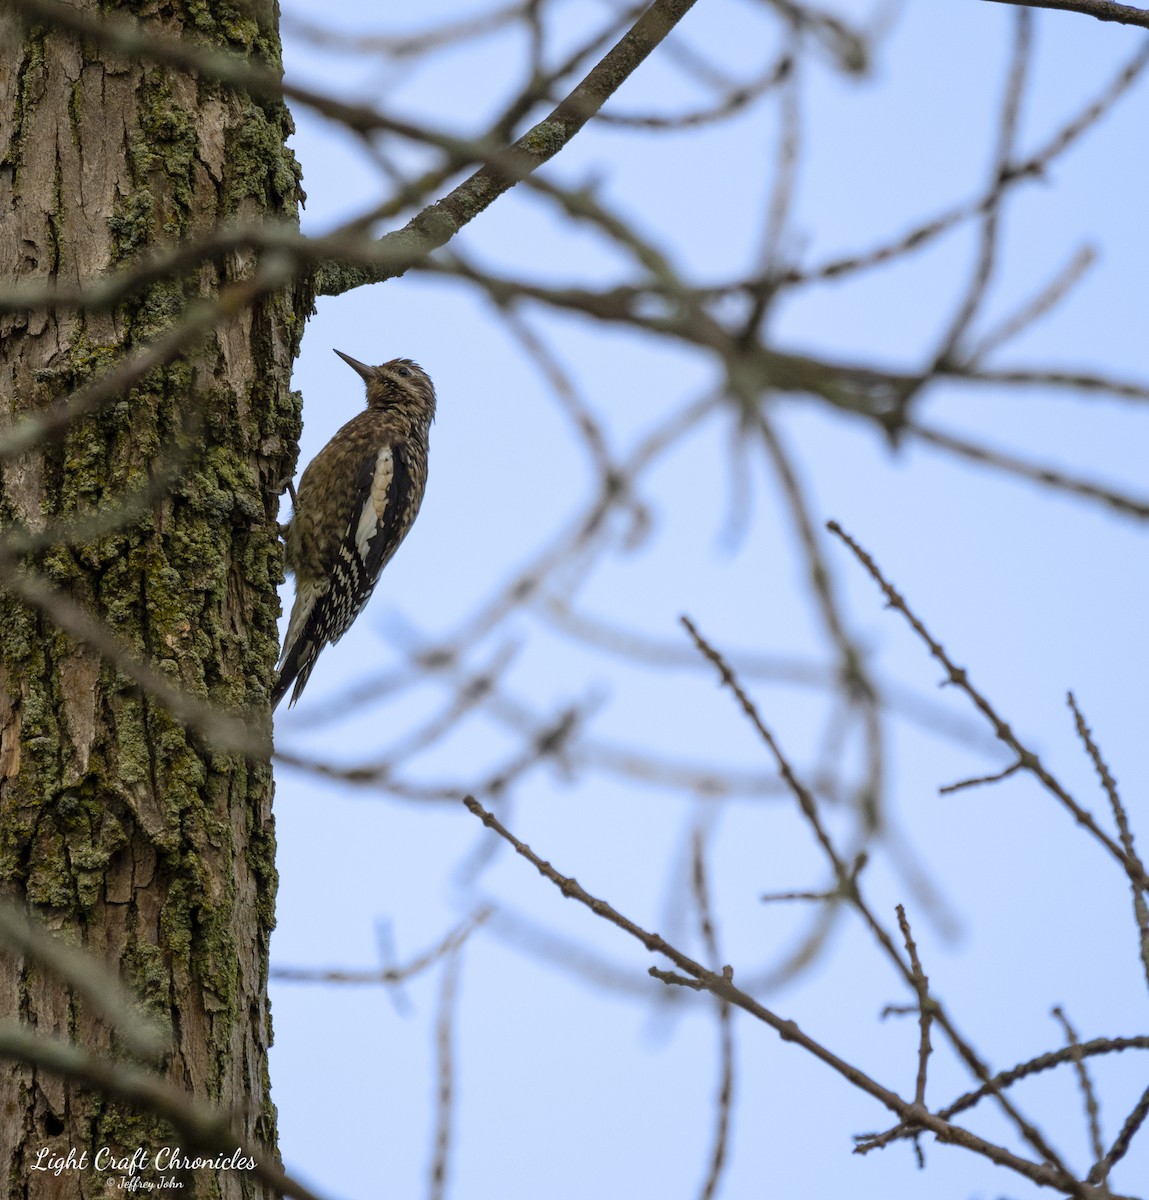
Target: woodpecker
[[355, 503]]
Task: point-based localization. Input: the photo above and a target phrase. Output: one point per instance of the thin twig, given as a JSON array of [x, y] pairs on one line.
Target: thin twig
[[1043, 303], [445, 1091], [388, 975], [720, 1149], [400, 46], [1085, 1083], [778, 210], [925, 1006], [1000, 460], [1073, 381], [854, 674], [735, 100], [1100, 1171], [981, 780], [1124, 829], [1000, 172], [985, 262], [574, 406], [817, 897]]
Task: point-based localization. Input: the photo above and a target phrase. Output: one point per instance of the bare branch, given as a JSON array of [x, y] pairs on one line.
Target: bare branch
[[959, 678], [905, 968], [438, 223], [722, 986], [1103, 10], [1068, 1055]]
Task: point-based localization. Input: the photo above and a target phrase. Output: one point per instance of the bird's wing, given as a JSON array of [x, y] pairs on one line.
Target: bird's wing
[[324, 609], [384, 510]]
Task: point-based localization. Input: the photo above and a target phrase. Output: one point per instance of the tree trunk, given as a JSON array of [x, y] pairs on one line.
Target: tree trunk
[[121, 829]]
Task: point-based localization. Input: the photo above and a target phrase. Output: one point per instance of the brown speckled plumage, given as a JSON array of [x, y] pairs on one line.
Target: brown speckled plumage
[[355, 503]]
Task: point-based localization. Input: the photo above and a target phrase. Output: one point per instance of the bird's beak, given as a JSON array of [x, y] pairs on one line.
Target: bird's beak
[[361, 369]]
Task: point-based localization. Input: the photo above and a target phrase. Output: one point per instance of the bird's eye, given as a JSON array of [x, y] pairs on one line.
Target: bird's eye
[[404, 371]]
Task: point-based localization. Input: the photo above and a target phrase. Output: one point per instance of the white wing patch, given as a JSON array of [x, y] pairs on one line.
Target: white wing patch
[[306, 594], [372, 515]]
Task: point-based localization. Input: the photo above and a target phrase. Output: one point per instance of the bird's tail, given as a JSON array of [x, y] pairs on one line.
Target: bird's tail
[[296, 669], [300, 648]]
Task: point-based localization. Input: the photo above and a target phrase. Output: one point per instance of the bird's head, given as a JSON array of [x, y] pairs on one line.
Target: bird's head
[[399, 385]]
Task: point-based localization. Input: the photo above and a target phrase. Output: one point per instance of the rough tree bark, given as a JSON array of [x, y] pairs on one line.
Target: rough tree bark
[[121, 829]]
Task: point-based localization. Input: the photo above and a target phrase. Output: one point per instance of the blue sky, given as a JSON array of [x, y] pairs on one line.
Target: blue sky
[[576, 1090]]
